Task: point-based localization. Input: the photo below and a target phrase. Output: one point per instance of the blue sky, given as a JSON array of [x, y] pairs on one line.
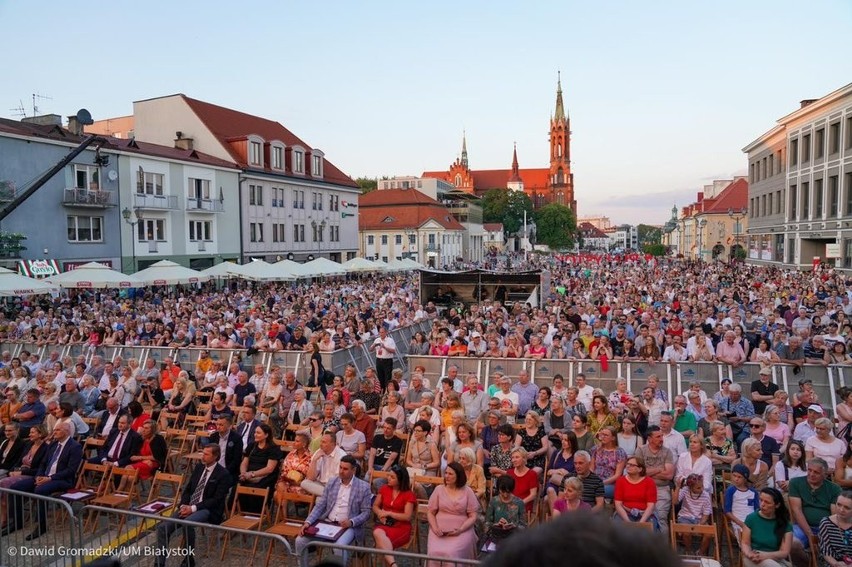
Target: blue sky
[[662, 95]]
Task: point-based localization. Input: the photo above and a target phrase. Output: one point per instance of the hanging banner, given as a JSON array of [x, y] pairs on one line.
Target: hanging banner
[[38, 269]]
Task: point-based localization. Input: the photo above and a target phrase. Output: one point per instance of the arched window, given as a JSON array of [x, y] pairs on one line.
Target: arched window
[[458, 180], [560, 176], [559, 149]]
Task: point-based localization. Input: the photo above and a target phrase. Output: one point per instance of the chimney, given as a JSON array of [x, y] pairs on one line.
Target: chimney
[[74, 126], [182, 143], [807, 102], [44, 120]]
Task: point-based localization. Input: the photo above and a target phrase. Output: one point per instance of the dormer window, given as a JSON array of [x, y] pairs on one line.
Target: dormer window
[[316, 163], [255, 153], [277, 156], [389, 219], [298, 160]]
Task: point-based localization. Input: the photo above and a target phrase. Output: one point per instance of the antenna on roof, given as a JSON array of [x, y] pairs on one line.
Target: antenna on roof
[[19, 111], [36, 98]]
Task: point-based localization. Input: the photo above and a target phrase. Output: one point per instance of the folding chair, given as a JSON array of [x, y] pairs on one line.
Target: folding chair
[[168, 419], [285, 446], [422, 510], [404, 437], [701, 530], [245, 521], [92, 479], [285, 525], [163, 481], [176, 440], [195, 449], [119, 496], [92, 445]]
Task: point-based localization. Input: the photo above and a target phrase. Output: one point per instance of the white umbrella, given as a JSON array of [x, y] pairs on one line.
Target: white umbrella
[[398, 266], [263, 272], [221, 270], [359, 265], [322, 267], [166, 272], [12, 284], [413, 264], [289, 267], [94, 275], [382, 266]]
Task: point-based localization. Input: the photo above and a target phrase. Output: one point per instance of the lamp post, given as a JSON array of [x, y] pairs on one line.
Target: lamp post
[[701, 224], [132, 218], [737, 215], [318, 230]]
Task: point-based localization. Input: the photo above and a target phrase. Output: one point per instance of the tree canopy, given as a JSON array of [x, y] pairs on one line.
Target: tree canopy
[[556, 226], [507, 207]]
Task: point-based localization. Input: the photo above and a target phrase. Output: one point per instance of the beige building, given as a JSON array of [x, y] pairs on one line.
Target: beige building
[[800, 200]]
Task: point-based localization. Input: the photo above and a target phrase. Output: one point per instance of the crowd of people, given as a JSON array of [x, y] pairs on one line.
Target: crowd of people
[[773, 464]]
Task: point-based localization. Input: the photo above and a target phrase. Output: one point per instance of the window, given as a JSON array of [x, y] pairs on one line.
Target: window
[[317, 201], [833, 195], [771, 164], [277, 157], [277, 232], [316, 166], [794, 152], [847, 253], [818, 197], [256, 232], [412, 239], [793, 202], [151, 229], [398, 239], [298, 161], [333, 203], [806, 201], [384, 239], [806, 148], [819, 143], [298, 233], [148, 183], [87, 177], [834, 138], [255, 153], [371, 239], [769, 205], [298, 199], [198, 188], [256, 195], [85, 229], [200, 230], [847, 187], [334, 234], [849, 132], [762, 210]]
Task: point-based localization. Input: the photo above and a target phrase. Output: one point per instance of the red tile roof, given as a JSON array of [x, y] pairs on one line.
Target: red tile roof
[[588, 230], [395, 209], [734, 196], [493, 226], [484, 179], [228, 125]]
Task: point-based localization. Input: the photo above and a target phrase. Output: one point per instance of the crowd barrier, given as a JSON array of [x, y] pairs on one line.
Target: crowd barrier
[[674, 378], [373, 556], [296, 361]]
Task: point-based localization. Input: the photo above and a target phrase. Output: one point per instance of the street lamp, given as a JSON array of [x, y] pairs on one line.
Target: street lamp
[[318, 234], [132, 218], [737, 215], [701, 224]]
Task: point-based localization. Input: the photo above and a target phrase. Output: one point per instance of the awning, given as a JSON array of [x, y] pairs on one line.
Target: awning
[[38, 268]]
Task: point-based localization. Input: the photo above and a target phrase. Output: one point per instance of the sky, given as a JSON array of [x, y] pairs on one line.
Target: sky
[[662, 95]]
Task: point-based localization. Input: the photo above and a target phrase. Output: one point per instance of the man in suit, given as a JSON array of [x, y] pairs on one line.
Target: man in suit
[[356, 493], [121, 444], [203, 501], [109, 419], [55, 474], [230, 445], [248, 423]]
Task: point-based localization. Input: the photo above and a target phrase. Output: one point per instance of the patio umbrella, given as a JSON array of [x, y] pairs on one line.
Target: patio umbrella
[[359, 265], [94, 275], [166, 272], [12, 284], [322, 267], [221, 270], [263, 272]]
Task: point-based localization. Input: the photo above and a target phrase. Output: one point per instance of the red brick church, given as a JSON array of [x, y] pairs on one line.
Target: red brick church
[[554, 184]]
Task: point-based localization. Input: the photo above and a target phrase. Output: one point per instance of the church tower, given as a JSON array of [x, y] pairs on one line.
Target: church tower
[[459, 173], [561, 179], [515, 182]]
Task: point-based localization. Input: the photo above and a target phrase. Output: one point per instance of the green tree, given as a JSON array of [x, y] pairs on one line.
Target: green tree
[[649, 234], [494, 205], [655, 249], [556, 226], [10, 244], [516, 203], [367, 184]]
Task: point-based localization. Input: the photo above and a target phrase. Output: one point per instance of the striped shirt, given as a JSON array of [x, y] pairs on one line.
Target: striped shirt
[[593, 488]]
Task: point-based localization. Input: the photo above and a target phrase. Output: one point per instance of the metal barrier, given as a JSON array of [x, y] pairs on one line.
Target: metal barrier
[[674, 378], [374, 556], [59, 546]]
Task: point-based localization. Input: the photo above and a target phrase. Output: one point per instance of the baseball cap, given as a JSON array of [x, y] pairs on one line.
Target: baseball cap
[[741, 470], [815, 407]]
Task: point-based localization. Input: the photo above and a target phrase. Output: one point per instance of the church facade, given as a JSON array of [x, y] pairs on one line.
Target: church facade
[[552, 184]]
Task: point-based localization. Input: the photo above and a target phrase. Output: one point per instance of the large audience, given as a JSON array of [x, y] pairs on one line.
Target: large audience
[[773, 467]]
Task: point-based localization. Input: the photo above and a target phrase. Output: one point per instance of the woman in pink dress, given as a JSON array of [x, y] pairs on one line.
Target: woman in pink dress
[[453, 510]]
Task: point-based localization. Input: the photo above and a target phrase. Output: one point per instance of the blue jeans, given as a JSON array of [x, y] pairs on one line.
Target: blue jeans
[[800, 535]]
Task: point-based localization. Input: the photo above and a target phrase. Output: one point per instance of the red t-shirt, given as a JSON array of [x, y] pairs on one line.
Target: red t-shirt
[[635, 495], [524, 484]]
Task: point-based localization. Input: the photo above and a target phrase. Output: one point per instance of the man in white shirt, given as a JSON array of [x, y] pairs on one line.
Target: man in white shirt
[[672, 439], [324, 465], [385, 349], [654, 405], [509, 400], [586, 392], [675, 352]]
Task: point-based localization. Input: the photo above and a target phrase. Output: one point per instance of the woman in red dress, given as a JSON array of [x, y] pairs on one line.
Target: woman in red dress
[[394, 507], [152, 455]]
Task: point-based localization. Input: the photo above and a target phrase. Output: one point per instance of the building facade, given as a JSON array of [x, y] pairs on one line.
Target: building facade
[[800, 204], [552, 184], [291, 201]]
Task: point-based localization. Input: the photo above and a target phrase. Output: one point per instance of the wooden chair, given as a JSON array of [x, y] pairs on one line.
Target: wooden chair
[[422, 509], [245, 521], [194, 423], [92, 479], [92, 445], [700, 530], [168, 419], [195, 449], [285, 446], [285, 525], [161, 482], [404, 437], [120, 493], [730, 539], [176, 440]]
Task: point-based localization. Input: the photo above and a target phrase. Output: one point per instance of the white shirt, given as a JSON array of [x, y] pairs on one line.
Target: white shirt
[[340, 511], [675, 443], [110, 423], [327, 466], [585, 396], [52, 470]]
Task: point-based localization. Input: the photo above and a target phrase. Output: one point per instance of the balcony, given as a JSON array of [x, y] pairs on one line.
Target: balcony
[[431, 247], [204, 205], [74, 197], [160, 202]]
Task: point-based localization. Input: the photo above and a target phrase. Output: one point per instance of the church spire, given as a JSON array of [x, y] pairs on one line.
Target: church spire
[[560, 107], [516, 174], [464, 150]]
